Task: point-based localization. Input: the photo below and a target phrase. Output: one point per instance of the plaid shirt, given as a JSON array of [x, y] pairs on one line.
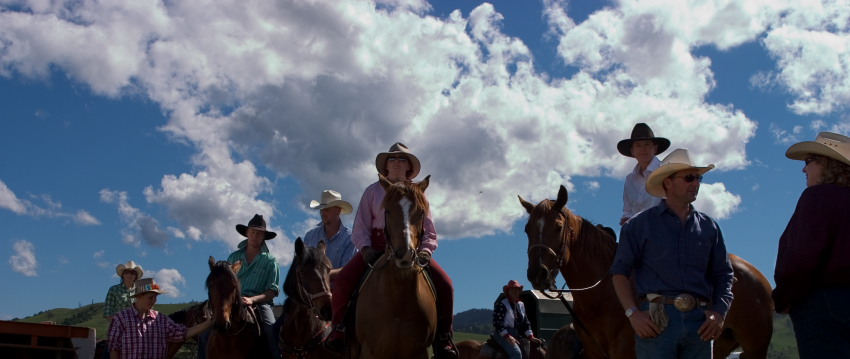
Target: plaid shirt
[[260, 275], [118, 298], [145, 337]]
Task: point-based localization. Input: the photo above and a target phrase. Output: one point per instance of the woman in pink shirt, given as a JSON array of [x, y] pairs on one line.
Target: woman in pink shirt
[[368, 236]]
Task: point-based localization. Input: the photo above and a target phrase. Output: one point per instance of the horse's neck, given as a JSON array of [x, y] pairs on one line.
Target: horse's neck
[[590, 259], [301, 324]]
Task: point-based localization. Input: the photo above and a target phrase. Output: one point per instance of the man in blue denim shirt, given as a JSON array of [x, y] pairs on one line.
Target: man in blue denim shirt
[[681, 269]]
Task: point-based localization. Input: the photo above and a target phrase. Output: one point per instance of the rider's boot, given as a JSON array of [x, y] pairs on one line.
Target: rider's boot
[[335, 341], [444, 348]]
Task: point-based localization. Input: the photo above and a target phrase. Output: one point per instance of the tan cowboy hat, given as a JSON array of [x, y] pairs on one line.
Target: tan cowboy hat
[[397, 149], [827, 144], [676, 161], [257, 223], [143, 286], [130, 266], [331, 198], [642, 131]]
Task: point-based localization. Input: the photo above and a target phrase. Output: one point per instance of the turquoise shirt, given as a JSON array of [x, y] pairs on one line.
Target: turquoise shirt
[[118, 298], [258, 276]]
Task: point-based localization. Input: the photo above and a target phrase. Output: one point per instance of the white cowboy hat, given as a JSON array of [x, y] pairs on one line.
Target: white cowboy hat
[[143, 286], [827, 144], [397, 149], [676, 161], [331, 198], [129, 266]]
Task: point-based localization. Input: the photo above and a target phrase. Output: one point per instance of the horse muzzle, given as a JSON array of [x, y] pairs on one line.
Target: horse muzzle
[[540, 277]]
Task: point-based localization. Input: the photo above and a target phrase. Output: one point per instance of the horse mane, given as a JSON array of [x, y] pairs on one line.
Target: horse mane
[[405, 189], [594, 239]]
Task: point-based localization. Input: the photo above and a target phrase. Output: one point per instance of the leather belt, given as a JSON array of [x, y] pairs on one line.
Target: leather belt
[[683, 302]]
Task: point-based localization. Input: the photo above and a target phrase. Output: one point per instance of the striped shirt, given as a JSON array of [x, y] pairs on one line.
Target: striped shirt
[[340, 247], [118, 298], [258, 276], [143, 337]]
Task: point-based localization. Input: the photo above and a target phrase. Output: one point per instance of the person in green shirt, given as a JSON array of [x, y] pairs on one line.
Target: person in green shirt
[[120, 296]]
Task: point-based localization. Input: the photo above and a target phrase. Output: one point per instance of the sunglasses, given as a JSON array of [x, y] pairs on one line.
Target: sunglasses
[[398, 158], [809, 160], [690, 178]]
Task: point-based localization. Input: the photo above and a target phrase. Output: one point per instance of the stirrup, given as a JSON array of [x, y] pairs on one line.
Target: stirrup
[[444, 348]]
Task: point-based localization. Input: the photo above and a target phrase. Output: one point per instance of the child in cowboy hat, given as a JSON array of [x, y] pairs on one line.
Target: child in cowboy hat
[[119, 296], [813, 262], [644, 147], [673, 251], [259, 277], [141, 331]]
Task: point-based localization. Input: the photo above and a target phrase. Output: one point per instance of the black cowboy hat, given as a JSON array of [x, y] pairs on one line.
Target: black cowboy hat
[[257, 223], [642, 132]]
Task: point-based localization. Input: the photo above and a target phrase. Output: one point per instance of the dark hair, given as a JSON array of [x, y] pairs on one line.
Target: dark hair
[[834, 171]]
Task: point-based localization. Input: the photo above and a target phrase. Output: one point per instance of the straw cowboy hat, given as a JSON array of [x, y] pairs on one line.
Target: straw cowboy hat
[[827, 144], [130, 266], [676, 161], [143, 286], [257, 223], [511, 284], [331, 198], [397, 149], [642, 132]]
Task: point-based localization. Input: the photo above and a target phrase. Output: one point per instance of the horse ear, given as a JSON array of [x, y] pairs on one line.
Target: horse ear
[[236, 266], [562, 198], [322, 246], [528, 206], [299, 246], [212, 262], [424, 184], [384, 181]]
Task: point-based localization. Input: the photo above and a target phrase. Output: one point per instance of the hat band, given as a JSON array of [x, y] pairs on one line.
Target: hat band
[[149, 287]]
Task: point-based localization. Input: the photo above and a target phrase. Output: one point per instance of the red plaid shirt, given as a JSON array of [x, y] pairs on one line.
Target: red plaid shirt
[[147, 337]]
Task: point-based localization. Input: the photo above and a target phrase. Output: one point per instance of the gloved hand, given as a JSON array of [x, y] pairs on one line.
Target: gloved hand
[[369, 254], [423, 258]]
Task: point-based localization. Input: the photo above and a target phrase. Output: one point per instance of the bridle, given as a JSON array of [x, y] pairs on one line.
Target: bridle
[[411, 253], [559, 255], [305, 297]]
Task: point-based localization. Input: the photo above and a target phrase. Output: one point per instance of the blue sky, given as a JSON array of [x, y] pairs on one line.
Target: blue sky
[[147, 130]]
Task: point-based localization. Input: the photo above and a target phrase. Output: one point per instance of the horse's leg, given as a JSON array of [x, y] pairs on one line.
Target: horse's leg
[[173, 348]]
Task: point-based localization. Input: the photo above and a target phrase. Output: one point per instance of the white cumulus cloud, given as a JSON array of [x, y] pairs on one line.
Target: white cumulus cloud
[[23, 260]]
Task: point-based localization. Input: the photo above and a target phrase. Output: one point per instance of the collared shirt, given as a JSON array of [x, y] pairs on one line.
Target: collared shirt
[[635, 197], [669, 257], [143, 337], [118, 298], [340, 248], [814, 250], [258, 276], [510, 318], [370, 214]]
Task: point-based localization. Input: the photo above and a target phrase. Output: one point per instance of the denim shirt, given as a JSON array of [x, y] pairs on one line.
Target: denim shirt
[[340, 248], [669, 257]]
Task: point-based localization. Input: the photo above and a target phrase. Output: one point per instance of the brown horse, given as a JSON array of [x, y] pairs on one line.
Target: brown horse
[[236, 331], [189, 317], [558, 239], [471, 349], [396, 313], [307, 309]]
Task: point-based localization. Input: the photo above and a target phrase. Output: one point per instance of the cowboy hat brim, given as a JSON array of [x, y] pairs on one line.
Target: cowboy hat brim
[[243, 229], [625, 146], [654, 183], [799, 151], [345, 206]]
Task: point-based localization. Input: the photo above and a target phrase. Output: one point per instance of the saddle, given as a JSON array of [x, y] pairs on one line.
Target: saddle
[[491, 349]]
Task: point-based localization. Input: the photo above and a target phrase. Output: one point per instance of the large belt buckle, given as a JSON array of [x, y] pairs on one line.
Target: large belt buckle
[[685, 302]]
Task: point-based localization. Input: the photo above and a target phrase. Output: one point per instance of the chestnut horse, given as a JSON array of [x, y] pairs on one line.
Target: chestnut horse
[[307, 309], [396, 312], [558, 239], [471, 349], [236, 331]]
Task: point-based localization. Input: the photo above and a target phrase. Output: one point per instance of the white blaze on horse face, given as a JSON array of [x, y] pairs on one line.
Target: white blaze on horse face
[[406, 204], [540, 223]]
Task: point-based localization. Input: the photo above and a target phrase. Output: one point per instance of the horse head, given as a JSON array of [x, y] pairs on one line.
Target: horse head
[[548, 230], [308, 280], [405, 206], [224, 292]]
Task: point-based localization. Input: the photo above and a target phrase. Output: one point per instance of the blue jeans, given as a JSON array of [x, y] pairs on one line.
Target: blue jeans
[[679, 341], [266, 316], [514, 351], [822, 324]]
